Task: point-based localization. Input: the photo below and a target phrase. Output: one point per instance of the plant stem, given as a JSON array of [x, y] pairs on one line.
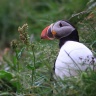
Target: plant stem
[[17, 61], [17, 67], [33, 70]]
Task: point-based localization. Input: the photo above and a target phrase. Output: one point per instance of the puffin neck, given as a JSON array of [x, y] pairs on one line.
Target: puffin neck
[[72, 37]]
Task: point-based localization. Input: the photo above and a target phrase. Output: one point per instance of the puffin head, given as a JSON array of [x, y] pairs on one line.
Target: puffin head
[[61, 30]]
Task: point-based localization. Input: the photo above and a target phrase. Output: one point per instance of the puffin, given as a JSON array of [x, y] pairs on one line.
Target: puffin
[[74, 57]]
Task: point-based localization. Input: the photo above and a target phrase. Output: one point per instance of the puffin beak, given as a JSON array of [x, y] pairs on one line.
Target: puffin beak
[[44, 33], [47, 34]]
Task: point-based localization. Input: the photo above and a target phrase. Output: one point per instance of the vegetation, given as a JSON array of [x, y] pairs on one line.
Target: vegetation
[[26, 65]]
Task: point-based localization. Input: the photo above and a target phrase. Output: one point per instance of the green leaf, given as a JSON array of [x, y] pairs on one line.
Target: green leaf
[[8, 61], [14, 59], [5, 75], [20, 53], [30, 67], [16, 83], [9, 79], [4, 94]]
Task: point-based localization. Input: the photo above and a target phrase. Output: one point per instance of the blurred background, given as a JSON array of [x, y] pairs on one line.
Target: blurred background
[[37, 13], [17, 68]]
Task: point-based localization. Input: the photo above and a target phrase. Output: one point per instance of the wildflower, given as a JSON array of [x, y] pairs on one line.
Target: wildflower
[[14, 44], [24, 37]]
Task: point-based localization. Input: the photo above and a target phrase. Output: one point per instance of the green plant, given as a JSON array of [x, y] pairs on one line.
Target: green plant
[[27, 69]]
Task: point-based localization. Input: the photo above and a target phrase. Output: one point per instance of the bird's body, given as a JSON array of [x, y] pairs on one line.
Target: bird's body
[[74, 57]]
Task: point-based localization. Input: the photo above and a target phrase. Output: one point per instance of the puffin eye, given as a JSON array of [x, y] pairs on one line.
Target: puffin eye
[[60, 25]]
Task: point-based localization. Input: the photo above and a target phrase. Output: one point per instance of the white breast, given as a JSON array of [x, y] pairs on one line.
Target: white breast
[[73, 57]]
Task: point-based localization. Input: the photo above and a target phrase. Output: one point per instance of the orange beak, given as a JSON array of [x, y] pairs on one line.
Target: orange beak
[[47, 34], [44, 33]]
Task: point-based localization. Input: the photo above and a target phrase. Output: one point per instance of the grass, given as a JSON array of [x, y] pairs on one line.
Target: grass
[[37, 14], [29, 70], [26, 70]]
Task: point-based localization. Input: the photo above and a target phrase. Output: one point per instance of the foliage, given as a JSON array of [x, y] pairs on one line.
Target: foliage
[[27, 69], [37, 14]]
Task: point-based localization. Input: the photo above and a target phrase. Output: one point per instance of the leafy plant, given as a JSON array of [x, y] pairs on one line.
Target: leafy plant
[[27, 70]]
